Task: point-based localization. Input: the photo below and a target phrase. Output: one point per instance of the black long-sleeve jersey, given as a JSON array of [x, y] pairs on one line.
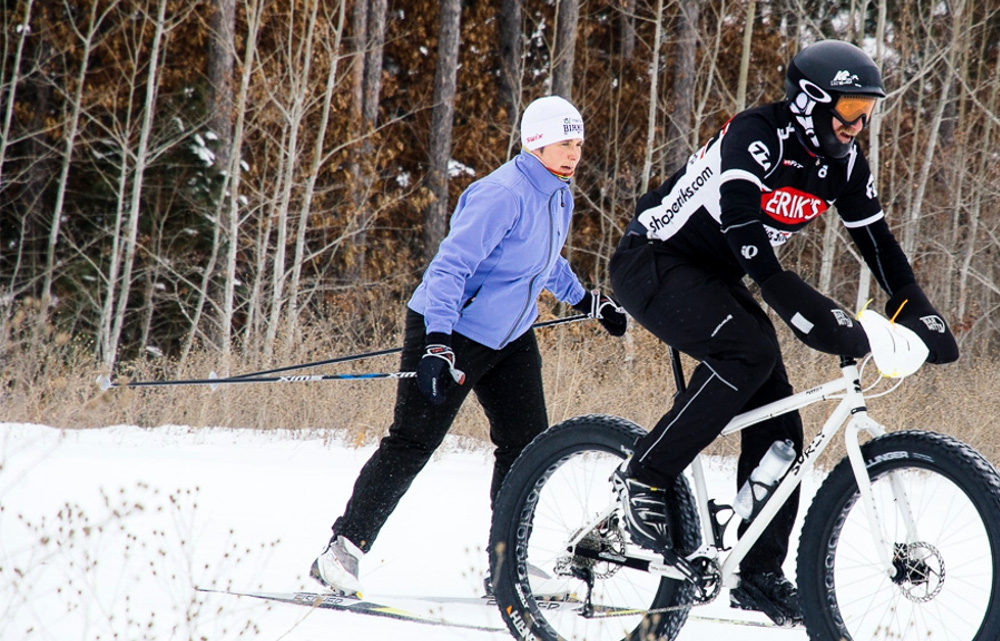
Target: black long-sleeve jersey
[[752, 187]]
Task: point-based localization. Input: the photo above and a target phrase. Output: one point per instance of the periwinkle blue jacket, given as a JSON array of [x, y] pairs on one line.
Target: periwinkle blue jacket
[[502, 250]]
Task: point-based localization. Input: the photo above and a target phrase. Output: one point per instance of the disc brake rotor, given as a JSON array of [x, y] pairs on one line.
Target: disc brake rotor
[[920, 570]]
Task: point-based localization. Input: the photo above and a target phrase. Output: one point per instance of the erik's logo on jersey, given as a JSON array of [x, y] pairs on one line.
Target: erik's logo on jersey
[[844, 77], [792, 206]]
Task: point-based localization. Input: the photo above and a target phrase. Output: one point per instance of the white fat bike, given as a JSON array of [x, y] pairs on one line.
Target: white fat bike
[[901, 540]]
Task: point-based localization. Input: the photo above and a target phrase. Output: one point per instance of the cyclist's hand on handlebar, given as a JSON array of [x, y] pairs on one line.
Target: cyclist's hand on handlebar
[[912, 310], [815, 319]]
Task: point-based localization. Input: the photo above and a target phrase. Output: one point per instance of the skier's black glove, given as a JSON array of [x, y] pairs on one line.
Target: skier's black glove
[[912, 310], [436, 371], [605, 309], [815, 319]]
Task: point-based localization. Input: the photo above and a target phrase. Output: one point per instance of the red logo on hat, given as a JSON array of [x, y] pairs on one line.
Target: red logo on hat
[[531, 139]]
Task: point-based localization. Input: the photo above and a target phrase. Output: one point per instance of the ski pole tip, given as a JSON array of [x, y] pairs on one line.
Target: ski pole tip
[[213, 376]]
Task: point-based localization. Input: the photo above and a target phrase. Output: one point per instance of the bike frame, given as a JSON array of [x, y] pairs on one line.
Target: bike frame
[[850, 411]]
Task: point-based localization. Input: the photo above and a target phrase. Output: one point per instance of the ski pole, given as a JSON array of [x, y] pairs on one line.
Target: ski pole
[[331, 361], [384, 352], [104, 381]]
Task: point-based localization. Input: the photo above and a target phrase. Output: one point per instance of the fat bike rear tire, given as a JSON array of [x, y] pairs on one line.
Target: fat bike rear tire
[[945, 581], [559, 484]]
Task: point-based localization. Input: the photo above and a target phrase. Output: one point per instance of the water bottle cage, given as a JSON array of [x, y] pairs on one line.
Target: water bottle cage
[[758, 504], [720, 521]]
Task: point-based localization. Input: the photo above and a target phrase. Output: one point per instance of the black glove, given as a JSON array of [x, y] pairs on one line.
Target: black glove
[[605, 309], [815, 319], [911, 309], [436, 371]]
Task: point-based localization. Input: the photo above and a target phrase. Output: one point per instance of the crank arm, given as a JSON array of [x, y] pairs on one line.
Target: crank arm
[[672, 566]]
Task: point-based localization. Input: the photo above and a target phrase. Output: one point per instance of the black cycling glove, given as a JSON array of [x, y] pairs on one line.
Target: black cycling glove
[[815, 319], [605, 309], [911, 309]]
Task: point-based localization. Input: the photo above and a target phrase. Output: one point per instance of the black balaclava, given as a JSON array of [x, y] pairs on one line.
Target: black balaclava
[[812, 111]]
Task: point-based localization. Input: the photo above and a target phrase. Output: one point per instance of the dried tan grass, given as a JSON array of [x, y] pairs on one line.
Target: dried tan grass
[[52, 381]]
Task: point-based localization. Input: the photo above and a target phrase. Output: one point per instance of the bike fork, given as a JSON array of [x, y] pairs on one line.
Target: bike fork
[[884, 548]]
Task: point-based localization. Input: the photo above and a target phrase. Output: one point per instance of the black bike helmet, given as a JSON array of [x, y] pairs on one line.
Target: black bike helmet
[[817, 77]]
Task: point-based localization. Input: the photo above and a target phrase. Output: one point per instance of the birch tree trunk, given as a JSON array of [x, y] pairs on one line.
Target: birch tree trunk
[[874, 147], [369, 24], [9, 86], [298, 65], [679, 125], [221, 56], [88, 39], [511, 63], [567, 19], [120, 294], [654, 102], [626, 28], [741, 90], [227, 228], [442, 117], [332, 52], [983, 199], [912, 229], [829, 256]]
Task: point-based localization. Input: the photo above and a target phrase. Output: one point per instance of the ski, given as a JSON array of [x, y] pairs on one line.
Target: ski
[[381, 607], [743, 622], [343, 603]]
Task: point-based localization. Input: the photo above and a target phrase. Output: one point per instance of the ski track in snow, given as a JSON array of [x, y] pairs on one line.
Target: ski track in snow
[[105, 533]]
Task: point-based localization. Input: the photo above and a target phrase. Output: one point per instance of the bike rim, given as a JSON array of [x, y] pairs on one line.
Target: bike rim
[[946, 572], [571, 493]]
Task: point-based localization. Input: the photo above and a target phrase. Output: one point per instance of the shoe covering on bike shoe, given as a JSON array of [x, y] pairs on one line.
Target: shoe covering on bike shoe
[[337, 566], [770, 593], [645, 510]]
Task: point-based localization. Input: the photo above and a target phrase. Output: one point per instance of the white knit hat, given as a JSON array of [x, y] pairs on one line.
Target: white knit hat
[[549, 120]]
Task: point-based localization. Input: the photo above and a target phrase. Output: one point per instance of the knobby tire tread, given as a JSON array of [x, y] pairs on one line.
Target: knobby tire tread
[[593, 432], [931, 451]]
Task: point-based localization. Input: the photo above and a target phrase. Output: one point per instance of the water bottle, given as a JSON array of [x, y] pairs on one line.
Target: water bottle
[[764, 479]]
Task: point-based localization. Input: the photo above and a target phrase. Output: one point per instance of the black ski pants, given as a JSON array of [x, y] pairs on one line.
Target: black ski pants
[[508, 385], [714, 319]]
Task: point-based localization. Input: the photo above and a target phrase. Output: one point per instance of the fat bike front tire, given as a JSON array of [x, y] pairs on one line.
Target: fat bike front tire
[[558, 485], [945, 579]]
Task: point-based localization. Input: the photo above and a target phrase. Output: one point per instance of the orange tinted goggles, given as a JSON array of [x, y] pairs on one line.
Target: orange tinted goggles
[[850, 109]]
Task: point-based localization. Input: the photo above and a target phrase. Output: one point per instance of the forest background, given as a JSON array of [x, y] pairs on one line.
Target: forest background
[[228, 185]]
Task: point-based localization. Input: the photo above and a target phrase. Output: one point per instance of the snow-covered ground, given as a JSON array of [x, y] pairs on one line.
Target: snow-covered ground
[[105, 534]]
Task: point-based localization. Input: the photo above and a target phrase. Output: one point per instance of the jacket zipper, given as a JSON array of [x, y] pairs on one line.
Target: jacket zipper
[[548, 260]]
